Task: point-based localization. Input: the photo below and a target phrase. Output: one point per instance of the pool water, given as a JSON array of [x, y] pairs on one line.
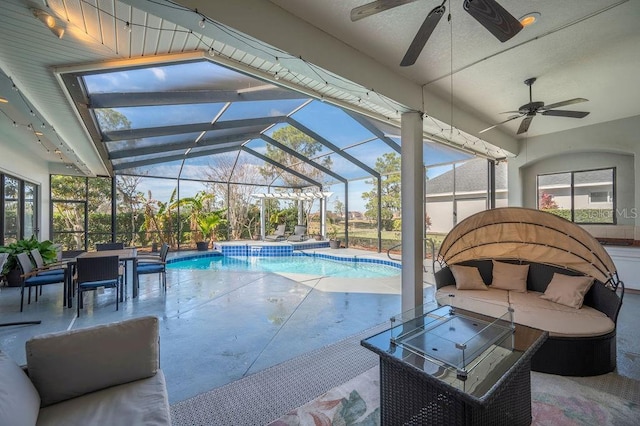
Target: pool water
[[291, 264]]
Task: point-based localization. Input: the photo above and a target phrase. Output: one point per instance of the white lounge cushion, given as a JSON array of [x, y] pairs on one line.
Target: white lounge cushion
[[559, 320], [490, 302], [19, 400], [143, 402]]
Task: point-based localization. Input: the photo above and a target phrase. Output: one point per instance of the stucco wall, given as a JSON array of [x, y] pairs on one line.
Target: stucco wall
[[612, 144]]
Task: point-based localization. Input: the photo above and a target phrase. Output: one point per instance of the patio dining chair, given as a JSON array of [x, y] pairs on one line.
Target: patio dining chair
[[95, 272], [3, 260], [109, 246], [278, 235], [33, 278], [155, 265], [299, 234]]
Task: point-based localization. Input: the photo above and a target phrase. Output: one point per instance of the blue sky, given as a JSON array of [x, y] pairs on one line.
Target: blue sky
[[330, 122]]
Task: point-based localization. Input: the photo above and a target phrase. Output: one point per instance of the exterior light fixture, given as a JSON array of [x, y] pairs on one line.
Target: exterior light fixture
[[529, 19], [49, 21], [4, 100]]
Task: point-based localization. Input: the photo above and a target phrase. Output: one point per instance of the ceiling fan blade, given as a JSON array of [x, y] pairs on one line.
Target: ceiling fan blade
[[494, 18], [563, 103], [502, 122], [374, 7], [562, 113], [422, 36], [524, 126]]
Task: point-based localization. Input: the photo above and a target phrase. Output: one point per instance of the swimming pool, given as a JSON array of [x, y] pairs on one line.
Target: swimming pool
[[313, 265]]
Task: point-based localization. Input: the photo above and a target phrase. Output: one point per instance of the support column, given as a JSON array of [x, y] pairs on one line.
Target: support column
[[323, 217], [412, 181], [301, 213], [262, 219]]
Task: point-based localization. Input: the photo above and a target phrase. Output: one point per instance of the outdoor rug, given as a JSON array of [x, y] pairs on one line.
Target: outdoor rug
[[556, 401]]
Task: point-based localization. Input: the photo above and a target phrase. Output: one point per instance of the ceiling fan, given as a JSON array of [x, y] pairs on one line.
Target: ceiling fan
[[488, 13], [530, 110]]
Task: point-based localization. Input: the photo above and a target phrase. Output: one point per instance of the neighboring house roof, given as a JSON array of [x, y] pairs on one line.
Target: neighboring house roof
[[579, 178], [467, 178]]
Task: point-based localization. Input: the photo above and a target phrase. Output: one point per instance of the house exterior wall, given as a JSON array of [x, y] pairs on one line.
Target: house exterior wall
[[21, 164]]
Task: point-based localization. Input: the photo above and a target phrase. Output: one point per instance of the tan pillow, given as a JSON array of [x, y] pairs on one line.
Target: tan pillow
[[507, 276], [68, 364], [567, 290], [467, 278]]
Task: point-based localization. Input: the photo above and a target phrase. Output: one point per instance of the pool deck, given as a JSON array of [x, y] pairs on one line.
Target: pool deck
[[218, 326]]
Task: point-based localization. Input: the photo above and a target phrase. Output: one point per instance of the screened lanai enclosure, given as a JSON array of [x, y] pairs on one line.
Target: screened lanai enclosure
[[193, 147]]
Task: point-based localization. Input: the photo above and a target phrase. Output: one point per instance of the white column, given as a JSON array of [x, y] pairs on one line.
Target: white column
[[323, 217], [412, 210], [262, 220]]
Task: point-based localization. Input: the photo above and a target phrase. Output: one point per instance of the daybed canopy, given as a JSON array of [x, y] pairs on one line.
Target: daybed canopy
[[529, 235]]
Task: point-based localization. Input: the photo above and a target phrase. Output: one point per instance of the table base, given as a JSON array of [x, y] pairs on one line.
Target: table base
[[407, 397]]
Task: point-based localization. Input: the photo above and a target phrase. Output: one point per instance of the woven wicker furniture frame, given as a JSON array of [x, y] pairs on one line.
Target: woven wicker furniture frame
[[410, 396], [566, 356]]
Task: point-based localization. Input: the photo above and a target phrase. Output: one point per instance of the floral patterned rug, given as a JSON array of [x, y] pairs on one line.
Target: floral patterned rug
[[556, 401]]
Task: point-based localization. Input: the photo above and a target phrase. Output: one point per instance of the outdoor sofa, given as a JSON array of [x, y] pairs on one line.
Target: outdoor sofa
[[553, 275], [102, 375]]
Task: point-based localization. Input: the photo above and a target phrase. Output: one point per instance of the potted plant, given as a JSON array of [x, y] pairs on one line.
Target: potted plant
[[11, 269], [207, 224], [334, 242]]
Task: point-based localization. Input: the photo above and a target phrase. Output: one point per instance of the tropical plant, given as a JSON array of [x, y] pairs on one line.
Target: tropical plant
[[46, 249], [209, 222]]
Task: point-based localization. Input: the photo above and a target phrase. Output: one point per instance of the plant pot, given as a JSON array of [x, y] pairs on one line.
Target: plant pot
[[334, 244], [154, 247], [202, 245], [13, 278]]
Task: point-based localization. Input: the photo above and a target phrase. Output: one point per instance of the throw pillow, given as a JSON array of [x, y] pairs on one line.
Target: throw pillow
[[467, 278], [508, 276], [567, 290], [19, 400]]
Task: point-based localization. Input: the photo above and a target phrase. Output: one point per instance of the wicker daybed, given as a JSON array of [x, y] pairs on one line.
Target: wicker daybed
[[512, 248]]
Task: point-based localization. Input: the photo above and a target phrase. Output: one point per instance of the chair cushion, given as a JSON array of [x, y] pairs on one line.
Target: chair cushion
[[100, 283], [19, 399], [150, 268], [45, 279], [143, 402]]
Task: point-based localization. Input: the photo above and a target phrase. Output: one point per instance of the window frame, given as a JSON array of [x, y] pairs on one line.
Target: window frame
[[21, 200], [612, 193]]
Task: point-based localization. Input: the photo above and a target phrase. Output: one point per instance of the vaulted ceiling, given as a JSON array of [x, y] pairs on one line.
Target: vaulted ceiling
[[463, 79]]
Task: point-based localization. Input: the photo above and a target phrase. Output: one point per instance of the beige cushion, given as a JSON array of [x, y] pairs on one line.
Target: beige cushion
[[19, 400], [507, 276], [492, 302], [467, 278], [559, 320], [143, 402], [68, 364], [567, 290]]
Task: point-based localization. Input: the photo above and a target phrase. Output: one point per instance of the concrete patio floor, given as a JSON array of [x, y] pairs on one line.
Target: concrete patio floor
[[218, 326]]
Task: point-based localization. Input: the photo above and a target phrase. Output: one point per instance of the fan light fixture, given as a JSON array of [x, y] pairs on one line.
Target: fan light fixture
[[49, 21], [529, 19]]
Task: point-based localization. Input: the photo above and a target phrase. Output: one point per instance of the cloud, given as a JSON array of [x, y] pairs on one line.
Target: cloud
[[159, 73]]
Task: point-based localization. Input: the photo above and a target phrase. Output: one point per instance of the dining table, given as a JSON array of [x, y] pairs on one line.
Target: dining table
[[128, 256]]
